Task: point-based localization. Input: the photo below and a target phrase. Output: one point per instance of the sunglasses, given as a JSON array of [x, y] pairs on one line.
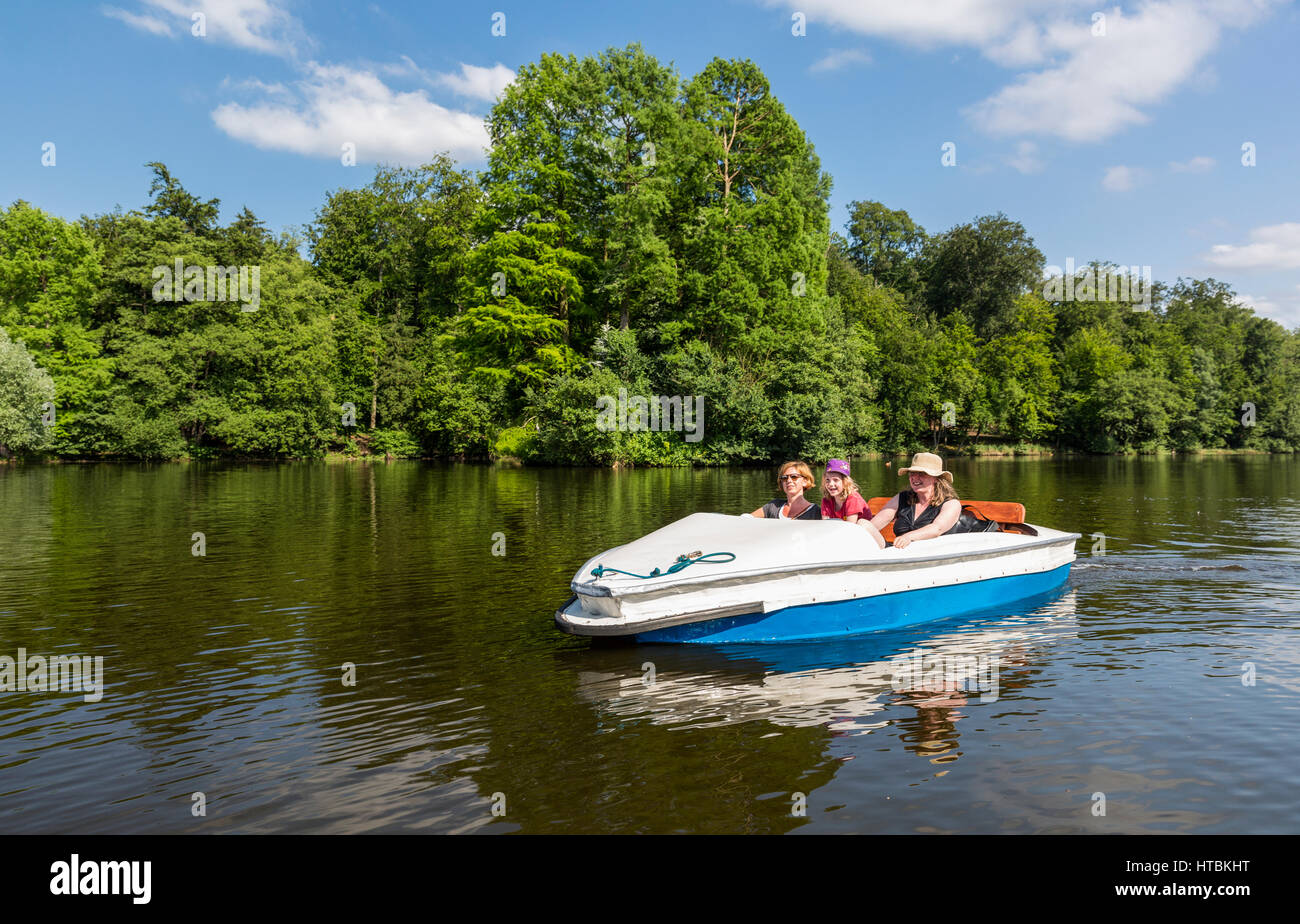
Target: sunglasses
[[790, 477]]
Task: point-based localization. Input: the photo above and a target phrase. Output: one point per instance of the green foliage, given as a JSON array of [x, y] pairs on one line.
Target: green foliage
[[171, 200], [516, 442], [25, 389], [50, 277], [886, 245], [1019, 372], [394, 443], [459, 416], [981, 268], [634, 232]]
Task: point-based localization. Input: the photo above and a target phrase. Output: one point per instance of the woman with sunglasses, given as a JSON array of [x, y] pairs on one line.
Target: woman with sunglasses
[[794, 479]]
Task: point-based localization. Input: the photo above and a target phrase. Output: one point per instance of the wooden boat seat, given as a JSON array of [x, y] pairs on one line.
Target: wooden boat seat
[[1009, 514]]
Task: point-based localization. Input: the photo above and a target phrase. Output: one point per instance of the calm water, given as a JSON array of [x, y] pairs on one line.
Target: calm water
[[223, 673]]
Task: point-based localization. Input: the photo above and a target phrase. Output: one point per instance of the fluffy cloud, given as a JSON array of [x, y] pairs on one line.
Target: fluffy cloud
[[1283, 307], [1076, 84], [1195, 165], [930, 24], [331, 105], [257, 25], [1271, 247], [142, 21], [1026, 159], [835, 60], [1121, 178], [481, 83], [334, 105]]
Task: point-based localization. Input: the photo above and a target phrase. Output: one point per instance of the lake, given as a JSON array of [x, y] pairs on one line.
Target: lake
[[347, 654]]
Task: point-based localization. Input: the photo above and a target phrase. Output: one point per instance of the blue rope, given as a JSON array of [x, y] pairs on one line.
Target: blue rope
[[682, 561]]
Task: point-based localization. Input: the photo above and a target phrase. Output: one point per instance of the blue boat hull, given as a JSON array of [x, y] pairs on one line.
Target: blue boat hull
[[868, 614]]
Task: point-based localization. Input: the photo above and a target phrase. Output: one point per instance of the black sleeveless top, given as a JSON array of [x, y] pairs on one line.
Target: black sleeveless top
[[905, 521], [772, 510]]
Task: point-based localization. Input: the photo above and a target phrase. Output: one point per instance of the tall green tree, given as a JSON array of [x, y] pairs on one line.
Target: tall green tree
[[50, 275], [170, 199], [886, 244], [1020, 373], [755, 231], [981, 268], [397, 250]]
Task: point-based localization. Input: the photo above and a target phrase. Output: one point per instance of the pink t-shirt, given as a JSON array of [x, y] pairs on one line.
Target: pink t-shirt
[[855, 504]]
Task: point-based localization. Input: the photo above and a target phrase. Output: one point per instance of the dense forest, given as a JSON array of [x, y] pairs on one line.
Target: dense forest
[[631, 230]]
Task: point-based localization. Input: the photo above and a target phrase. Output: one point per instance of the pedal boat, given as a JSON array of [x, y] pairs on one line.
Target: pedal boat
[[793, 580]]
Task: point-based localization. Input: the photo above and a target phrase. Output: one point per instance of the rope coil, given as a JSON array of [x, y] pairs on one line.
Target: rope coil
[[692, 558]]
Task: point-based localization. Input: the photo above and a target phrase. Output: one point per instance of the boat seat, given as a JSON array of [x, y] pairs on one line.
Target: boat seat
[[1009, 514]]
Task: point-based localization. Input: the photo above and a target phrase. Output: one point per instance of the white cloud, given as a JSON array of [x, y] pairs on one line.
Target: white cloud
[[1271, 247], [253, 84], [1074, 84], [1199, 164], [835, 60], [482, 83], [1121, 178], [257, 25], [1260, 305], [331, 105], [929, 24], [1104, 83], [141, 21], [1282, 307], [337, 104], [1026, 158]]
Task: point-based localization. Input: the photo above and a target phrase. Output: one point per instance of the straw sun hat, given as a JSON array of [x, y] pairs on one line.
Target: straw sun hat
[[929, 463]]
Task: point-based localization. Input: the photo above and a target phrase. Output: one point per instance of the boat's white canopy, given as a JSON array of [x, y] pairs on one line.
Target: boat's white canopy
[[784, 563], [763, 546], [758, 544]]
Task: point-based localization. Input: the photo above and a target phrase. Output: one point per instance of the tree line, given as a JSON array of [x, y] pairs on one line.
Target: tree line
[[631, 230]]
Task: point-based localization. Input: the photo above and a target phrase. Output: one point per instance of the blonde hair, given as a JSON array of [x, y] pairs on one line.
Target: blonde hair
[[944, 491], [850, 487], [800, 468]]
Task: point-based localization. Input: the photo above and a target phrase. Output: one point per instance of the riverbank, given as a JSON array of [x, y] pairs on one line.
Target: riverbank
[[969, 452]]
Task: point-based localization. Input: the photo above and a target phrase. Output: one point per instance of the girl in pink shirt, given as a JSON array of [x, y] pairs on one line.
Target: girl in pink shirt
[[841, 499]]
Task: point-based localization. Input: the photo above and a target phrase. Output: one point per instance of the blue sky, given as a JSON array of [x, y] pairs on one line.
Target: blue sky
[[1117, 139]]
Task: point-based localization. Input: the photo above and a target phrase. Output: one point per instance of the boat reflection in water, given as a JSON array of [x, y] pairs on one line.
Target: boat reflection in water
[[850, 686]]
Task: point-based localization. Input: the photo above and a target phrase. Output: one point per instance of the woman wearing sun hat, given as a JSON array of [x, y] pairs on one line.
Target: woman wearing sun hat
[[930, 509]]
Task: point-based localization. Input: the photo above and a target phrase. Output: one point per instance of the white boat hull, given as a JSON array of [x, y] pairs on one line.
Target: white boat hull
[[803, 579]]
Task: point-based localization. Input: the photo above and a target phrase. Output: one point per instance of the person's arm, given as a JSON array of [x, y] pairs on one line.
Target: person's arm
[[874, 533], [948, 515], [886, 514], [759, 513]]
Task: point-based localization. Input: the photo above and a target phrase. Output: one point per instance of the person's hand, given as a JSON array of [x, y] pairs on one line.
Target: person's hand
[[902, 542]]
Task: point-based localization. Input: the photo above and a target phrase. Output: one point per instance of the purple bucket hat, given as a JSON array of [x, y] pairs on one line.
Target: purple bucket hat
[[838, 466]]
